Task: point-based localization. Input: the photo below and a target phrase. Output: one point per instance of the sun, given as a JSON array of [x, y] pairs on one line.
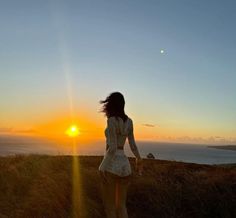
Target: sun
[[72, 131]]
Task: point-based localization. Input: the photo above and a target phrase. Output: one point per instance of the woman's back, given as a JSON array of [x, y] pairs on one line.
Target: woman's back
[[122, 131], [115, 160], [117, 131]]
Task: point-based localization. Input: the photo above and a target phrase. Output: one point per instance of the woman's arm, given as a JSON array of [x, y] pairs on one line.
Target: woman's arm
[[132, 142], [110, 152], [134, 149]]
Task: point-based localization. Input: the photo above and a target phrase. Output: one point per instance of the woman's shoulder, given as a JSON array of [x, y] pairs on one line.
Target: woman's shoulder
[[111, 119], [114, 118]]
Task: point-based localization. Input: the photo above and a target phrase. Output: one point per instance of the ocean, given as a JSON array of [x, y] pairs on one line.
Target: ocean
[[191, 153]]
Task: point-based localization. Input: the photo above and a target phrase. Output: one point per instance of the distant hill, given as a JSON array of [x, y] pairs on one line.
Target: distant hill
[[42, 186], [225, 147]]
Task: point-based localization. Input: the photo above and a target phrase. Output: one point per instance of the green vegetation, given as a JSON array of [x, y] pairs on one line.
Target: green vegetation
[[41, 186]]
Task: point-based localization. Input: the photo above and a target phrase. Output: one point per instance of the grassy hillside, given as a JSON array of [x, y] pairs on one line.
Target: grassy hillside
[[41, 186]]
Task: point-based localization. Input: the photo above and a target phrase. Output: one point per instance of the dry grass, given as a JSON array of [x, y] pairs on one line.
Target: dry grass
[[41, 186]]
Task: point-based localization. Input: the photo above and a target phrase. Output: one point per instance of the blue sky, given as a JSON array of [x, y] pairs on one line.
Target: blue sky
[[87, 49]]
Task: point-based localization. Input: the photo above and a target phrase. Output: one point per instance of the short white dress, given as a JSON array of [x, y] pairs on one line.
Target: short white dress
[[115, 161]]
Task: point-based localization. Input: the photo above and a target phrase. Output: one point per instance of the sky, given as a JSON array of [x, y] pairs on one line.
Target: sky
[[173, 60]]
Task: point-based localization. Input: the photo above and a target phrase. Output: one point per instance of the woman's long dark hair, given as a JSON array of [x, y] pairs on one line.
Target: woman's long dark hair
[[114, 105]]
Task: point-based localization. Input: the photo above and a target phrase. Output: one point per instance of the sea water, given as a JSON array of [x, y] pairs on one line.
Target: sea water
[[161, 150]]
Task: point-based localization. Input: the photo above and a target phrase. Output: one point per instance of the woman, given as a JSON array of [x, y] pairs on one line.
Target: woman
[[115, 168]]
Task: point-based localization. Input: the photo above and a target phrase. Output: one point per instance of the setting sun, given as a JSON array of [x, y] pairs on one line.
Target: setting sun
[[72, 131]]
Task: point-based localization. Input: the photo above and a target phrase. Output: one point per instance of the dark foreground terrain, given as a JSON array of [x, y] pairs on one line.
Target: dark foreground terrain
[[42, 186]]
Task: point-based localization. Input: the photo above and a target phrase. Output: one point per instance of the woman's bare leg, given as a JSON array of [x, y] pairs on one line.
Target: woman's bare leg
[[109, 194], [122, 195]]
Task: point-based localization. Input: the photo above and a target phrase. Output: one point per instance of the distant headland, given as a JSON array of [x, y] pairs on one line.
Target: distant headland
[[225, 147]]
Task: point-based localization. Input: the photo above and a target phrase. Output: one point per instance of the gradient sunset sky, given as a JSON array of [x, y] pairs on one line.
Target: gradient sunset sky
[[174, 61]]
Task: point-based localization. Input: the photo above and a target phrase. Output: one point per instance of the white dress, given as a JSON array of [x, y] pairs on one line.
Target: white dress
[[115, 160]]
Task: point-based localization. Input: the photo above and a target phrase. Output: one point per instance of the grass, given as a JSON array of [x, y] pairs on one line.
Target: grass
[[41, 186]]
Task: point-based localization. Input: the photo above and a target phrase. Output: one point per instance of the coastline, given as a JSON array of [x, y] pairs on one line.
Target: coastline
[[224, 147]]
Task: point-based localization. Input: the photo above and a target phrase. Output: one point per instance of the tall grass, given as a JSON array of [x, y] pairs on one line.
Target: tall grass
[[41, 186]]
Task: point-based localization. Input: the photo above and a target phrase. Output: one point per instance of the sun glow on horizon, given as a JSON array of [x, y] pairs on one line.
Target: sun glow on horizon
[[72, 131]]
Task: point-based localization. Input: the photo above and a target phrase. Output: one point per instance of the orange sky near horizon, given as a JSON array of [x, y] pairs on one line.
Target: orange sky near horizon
[[91, 127], [51, 118]]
